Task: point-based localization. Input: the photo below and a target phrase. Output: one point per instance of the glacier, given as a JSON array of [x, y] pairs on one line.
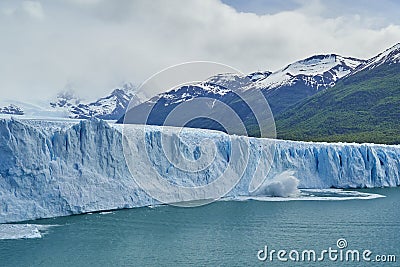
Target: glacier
[[50, 168]]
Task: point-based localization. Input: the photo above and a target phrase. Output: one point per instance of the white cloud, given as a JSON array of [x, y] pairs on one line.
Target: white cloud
[[97, 45], [23, 10], [33, 9]]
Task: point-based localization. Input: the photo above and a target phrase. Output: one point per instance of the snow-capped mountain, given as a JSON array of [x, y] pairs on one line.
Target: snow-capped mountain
[[282, 88], [11, 110], [189, 92], [65, 99], [389, 56], [42, 109], [156, 109], [362, 107], [234, 82], [111, 107], [258, 75], [221, 87], [303, 79], [318, 72]]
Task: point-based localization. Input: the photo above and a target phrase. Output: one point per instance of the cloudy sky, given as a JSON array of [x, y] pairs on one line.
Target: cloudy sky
[[93, 46]]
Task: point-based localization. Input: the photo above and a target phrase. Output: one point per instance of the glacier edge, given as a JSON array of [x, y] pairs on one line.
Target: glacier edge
[[48, 171]]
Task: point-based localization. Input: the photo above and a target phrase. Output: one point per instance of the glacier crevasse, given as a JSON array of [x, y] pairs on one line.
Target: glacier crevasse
[[48, 170]]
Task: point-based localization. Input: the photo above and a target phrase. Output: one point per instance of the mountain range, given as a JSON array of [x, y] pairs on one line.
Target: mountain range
[[282, 88], [320, 98], [68, 105], [362, 107], [110, 107], [11, 109]]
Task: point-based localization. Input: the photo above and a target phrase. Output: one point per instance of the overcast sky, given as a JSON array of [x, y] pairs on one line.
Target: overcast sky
[[93, 46]]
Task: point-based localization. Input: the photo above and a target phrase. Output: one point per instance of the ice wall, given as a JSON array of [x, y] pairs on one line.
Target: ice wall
[[52, 169]]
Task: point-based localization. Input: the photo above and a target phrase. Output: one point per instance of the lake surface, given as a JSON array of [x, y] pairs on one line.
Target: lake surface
[[225, 233]]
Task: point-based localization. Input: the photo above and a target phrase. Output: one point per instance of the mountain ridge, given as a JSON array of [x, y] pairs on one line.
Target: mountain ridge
[[282, 89], [110, 107], [362, 107]]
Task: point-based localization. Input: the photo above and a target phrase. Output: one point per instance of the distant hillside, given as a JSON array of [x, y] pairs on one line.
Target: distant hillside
[[363, 107], [282, 89]]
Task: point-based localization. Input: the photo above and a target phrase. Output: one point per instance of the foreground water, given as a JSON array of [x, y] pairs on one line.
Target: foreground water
[[226, 233]]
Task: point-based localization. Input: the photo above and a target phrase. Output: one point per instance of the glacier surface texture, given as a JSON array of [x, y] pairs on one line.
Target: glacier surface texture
[[50, 169]]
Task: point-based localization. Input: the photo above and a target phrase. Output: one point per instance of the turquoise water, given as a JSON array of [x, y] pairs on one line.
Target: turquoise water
[[227, 233]]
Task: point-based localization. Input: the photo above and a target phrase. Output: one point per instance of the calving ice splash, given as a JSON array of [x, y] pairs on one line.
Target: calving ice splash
[[209, 165], [284, 184], [57, 168]]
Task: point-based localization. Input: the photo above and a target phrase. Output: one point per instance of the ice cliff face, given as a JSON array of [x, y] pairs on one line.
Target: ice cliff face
[[60, 172], [50, 169]]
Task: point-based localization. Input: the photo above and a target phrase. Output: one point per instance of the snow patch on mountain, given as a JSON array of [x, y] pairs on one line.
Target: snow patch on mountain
[[111, 107], [234, 81], [258, 75], [190, 92], [11, 110], [31, 110], [214, 87], [65, 99], [389, 56], [320, 71]]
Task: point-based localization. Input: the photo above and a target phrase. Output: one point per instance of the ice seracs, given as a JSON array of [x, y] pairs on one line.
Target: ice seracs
[[49, 169]]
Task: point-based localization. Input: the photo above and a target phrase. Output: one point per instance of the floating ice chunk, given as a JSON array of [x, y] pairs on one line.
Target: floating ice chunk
[[22, 231], [106, 212], [312, 195]]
